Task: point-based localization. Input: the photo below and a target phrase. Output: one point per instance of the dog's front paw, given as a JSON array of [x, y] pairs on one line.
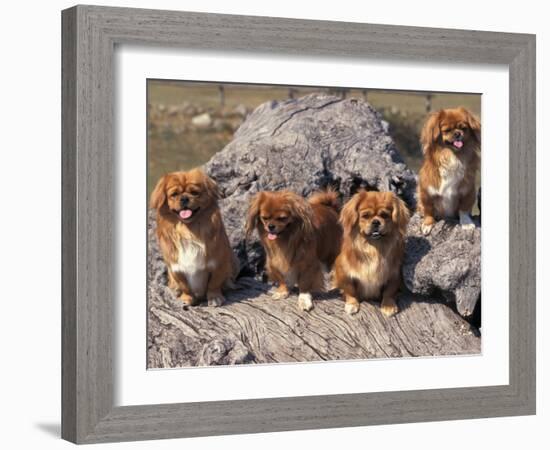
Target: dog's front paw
[[280, 294], [305, 303], [187, 299], [389, 309], [426, 228], [216, 299], [351, 308]]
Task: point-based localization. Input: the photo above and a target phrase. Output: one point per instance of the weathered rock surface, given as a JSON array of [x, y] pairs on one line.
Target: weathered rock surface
[[253, 328], [445, 263], [304, 145]]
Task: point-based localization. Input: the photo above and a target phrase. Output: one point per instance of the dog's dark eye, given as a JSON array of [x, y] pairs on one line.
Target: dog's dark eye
[[281, 218], [265, 217], [384, 214], [445, 130], [194, 193], [174, 194]]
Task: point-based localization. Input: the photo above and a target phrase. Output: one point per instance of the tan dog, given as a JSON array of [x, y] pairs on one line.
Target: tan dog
[[451, 140], [298, 237], [369, 264], [192, 237]]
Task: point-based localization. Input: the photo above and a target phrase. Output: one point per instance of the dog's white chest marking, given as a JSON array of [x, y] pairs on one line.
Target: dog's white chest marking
[[451, 175], [192, 263], [372, 276]]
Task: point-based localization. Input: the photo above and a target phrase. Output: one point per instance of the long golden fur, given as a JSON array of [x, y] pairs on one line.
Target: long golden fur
[[298, 236], [369, 264], [192, 237], [451, 140]]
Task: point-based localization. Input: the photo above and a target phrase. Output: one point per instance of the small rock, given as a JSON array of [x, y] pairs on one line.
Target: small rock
[[220, 125], [189, 110], [241, 110], [173, 111], [202, 120]]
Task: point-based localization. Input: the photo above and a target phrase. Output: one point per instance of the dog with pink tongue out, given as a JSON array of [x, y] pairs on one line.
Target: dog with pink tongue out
[[299, 237], [451, 144], [192, 237]]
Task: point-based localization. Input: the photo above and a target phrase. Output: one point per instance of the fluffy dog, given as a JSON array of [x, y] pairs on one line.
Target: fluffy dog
[[192, 237], [298, 237], [451, 140], [369, 264]]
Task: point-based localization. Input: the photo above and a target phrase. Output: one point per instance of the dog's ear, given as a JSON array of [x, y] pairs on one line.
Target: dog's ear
[[349, 214], [400, 215], [211, 187], [158, 197], [430, 133], [473, 123], [253, 213], [302, 210]]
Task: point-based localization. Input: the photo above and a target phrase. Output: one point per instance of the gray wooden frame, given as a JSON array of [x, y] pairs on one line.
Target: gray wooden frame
[[90, 34]]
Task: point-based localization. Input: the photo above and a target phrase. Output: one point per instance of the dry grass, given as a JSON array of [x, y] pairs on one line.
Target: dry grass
[[171, 146], [207, 95]]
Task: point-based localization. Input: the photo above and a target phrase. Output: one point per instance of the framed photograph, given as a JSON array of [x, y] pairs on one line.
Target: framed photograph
[[276, 224]]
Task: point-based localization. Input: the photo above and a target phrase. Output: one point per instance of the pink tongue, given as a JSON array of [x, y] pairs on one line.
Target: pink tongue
[[271, 236], [186, 213], [458, 144]]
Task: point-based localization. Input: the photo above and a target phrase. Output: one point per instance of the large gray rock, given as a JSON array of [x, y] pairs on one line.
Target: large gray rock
[[445, 263], [304, 145]]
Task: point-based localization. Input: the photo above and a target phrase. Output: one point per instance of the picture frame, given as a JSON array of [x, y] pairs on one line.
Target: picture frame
[[89, 37]]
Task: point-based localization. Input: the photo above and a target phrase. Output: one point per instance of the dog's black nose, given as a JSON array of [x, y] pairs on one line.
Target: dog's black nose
[[271, 227], [184, 201], [375, 223]]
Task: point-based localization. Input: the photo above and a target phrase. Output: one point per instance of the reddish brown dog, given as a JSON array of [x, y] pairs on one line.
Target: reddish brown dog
[[369, 264], [192, 237], [298, 236], [451, 140]]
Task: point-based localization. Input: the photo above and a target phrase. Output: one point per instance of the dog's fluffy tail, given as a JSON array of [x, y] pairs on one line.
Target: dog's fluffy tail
[[328, 197]]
